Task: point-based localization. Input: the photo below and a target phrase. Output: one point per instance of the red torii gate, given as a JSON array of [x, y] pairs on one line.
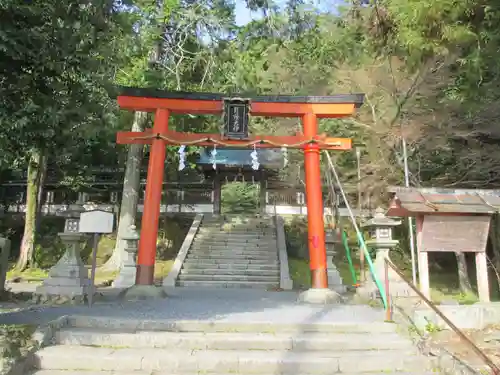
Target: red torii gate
[[308, 108]]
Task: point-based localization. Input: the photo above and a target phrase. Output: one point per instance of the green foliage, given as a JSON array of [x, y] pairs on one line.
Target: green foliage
[[239, 197], [15, 340], [296, 237]]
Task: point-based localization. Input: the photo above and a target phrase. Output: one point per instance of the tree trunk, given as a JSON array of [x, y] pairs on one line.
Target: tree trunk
[[37, 167], [130, 195], [463, 273]]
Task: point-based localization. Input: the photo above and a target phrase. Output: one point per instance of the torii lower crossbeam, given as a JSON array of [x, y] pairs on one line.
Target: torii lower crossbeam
[[308, 109]]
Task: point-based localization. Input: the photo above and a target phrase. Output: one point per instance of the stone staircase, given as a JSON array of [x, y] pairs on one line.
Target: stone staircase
[[232, 251], [103, 346]]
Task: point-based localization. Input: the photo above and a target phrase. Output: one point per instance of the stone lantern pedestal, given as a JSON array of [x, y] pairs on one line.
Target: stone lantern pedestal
[[380, 228], [68, 278], [332, 241], [126, 276]]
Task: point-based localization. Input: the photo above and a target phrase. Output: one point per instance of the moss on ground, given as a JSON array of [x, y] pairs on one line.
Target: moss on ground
[[15, 341]]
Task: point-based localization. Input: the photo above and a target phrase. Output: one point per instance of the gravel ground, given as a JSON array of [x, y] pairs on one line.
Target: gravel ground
[[208, 304]]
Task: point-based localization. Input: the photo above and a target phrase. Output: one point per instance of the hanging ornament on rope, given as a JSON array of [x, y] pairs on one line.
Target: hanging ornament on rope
[[284, 151], [214, 157], [255, 159], [182, 157]]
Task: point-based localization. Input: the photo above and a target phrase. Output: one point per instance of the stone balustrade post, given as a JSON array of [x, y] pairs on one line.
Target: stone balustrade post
[[126, 276], [332, 240]]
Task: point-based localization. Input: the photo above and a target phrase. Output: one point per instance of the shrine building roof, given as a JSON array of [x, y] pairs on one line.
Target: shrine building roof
[[410, 201], [234, 157]]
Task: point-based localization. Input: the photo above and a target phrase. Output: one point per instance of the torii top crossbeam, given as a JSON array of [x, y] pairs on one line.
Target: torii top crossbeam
[[236, 111], [149, 100]]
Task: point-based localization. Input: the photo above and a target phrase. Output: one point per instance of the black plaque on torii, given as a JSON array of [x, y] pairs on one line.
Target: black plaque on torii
[[236, 116]]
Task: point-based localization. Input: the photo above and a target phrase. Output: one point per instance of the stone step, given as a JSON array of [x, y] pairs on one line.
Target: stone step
[[239, 222], [242, 245], [95, 372], [212, 263], [219, 271], [255, 250], [242, 234], [167, 372], [230, 266], [234, 242], [181, 361], [230, 252], [270, 279], [245, 228], [227, 284], [231, 341], [241, 248], [231, 241], [268, 257], [236, 233], [166, 325]]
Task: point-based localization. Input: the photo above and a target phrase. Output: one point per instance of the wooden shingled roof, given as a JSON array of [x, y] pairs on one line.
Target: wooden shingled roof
[[408, 201]]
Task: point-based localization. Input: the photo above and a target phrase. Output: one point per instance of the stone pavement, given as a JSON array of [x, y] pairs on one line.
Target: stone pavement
[[208, 304]]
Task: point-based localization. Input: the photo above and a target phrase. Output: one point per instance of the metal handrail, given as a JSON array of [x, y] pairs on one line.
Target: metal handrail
[[487, 360]]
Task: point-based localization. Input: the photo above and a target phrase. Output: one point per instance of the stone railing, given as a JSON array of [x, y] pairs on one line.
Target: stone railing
[[192, 198]]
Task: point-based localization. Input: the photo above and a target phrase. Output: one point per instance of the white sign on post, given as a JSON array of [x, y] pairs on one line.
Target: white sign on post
[[96, 222]]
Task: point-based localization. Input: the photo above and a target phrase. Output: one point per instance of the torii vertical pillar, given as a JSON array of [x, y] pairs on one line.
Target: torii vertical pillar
[[152, 203], [144, 280], [319, 292]]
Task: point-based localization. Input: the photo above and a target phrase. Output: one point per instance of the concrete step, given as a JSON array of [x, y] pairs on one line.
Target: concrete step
[[219, 271], [166, 325], [268, 257], [270, 279], [240, 233], [250, 249], [254, 243], [236, 232], [183, 361], [235, 249], [96, 372], [216, 262], [167, 372], [229, 253], [227, 284], [224, 229], [229, 241], [245, 266], [241, 228], [231, 341], [232, 242]]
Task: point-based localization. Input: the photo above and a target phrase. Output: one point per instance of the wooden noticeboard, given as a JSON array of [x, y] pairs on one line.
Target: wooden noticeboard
[[455, 233]]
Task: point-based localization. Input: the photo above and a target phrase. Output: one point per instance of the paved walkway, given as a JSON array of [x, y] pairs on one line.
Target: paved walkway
[[233, 305]]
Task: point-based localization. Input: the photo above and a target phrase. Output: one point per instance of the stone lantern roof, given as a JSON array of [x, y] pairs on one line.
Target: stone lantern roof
[[380, 220]]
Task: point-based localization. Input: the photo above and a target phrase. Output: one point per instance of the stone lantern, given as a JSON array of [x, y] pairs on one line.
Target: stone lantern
[[68, 278], [126, 277], [380, 230], [333, 239]]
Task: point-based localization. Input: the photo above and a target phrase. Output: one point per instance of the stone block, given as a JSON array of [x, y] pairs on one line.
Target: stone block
[[318, 296]]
